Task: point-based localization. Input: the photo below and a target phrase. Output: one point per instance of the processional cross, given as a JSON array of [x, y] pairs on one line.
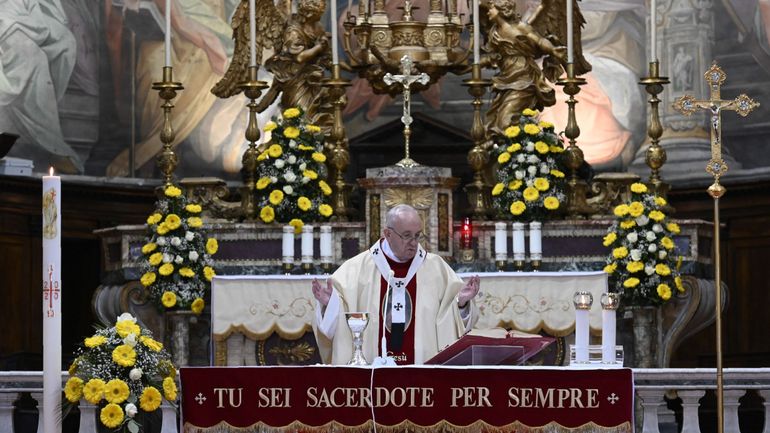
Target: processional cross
[[406, 79], [744, 105]]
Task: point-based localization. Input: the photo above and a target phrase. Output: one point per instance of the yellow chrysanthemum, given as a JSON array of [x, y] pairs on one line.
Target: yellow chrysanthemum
[[193, 208], [212, 246], [518, 207], [194, 222], [155, 346], [173, 221], [530, 112], [149, 247], [638, 188], [305, 147], [515, 147], [150, 399], [660, 201], [126, 327], [503, 158], [515, 184], [186, 272], [290, 113], [262, 156], [172, 191], [197, 305], [542, 184], [169, 389], [609, 239], [73, 389], [673, 228], [275, 150], [93, 390], [498, 189], [325, 188], [263, 182], [662, 269], [267, 214], [635, 209], [310, 174], [531, 129], [678, 283], [124, 355], [657, 216], [168, 299], [551, 203], [545, 125], [664, 291], [631, 283], [166, 269], [116, 391], [269, 126], [530, 194], [297, 224], [634, 267], [556, 149], [73, 367], [154, 218], [318, 157], [111, 415], [512, 131], [627, 224], [208, 272], [162, 229], [621, 210], [313, 128], [557, 173], [95, 341], [325, 210], [620, 252], [155, 259], [541, 147], [611, 267], [304, 203], [290, 132], [667, 242], [276, 197]]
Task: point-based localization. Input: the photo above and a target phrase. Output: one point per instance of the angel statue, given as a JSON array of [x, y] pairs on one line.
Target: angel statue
[[514, 47], [302, 53]]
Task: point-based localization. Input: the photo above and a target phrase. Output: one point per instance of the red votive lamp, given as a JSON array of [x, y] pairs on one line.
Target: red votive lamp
[[466, 234]]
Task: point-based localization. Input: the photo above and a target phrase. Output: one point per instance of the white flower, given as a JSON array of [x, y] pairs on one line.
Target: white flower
[[189, 236], [273, 179], [521, 157], [519, 174], [292, 143], [533, 159], [632, 237], [652, 248], [279, 163], [126, 316], [649, 270], [135, 374], [130, 410], [167, 258], [662, 254], [303, 166], [130, 340], [193, 256], [290, 177], [642, 220], [161, 241], [305, 180], [657, 228], [175, 241], [636, 255], [288, 190], [650, 236], [544, 168], [530, 147], [292, 159], [532, 170], [178, 260]]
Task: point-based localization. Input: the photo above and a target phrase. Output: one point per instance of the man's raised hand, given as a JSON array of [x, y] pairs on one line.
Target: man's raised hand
[[323, 294], [469, 291]]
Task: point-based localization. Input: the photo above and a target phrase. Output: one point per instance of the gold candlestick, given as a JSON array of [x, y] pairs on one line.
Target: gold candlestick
[[167, 159], [656, 154], [337, 146], [252, 89], [478, 157]]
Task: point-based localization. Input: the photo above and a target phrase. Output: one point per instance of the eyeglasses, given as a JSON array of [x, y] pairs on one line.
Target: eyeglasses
[[416, 237]]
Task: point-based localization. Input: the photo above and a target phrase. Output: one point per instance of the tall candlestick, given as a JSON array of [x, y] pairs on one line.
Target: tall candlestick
[[610, 302], [52, 388], [326, 244], [518, 241], [335, 51], [252, 34], [501, 242], [476, 32], [536, 240], [583, 301], [167, 39], [288, 244], [307, 244], [653, 30], [570, 33]]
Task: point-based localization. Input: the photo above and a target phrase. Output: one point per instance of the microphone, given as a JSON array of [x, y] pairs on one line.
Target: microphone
[[384, 359]]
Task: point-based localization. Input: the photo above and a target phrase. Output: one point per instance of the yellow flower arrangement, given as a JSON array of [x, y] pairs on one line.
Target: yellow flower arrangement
[[168, 299], [531, 129], [291, 132], [318, 157], [212, 246], [531, 194], [297, 224], [512, 131], [497, 189], [197, 306], [325, 210], [290, 113], [551, 203], [325, 188], [172, 191], [193, 208], [154, 218], [276, 197], [166, 269], [267, 214], [517, 208], [274, 151], [503, 158], [149, 247], [263, 182], [186, 272], [120, 373], [209, 272]]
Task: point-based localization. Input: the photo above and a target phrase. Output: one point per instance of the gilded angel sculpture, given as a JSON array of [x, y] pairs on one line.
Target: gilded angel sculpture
[[301, 55], [514, 47]]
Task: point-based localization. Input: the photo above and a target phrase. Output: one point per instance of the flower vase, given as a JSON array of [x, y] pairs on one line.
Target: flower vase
[[645, 336], [178, 328]]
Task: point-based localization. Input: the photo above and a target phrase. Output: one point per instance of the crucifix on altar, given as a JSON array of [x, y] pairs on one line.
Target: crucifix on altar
[[716, 166], [406, 78]]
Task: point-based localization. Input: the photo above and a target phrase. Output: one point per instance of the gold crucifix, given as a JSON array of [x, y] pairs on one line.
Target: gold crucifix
[[688, 105]]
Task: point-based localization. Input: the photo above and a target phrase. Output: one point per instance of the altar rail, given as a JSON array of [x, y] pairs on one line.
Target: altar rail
[[653, 387]]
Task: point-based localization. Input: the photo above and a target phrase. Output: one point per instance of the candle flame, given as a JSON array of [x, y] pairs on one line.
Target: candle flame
[[50, 171]]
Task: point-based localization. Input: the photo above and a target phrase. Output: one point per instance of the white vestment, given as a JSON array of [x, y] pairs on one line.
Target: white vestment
[[356, 283]]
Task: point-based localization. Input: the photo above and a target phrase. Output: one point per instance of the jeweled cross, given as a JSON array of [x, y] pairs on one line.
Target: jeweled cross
[[406, 79], [688, 105]]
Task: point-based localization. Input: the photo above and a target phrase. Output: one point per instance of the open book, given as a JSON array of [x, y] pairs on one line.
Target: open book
[[495, 346]]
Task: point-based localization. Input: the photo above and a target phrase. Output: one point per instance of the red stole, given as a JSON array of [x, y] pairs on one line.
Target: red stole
[[405, 356]]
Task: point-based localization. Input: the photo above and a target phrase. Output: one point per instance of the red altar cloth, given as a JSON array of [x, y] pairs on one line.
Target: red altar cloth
[[325, 398]]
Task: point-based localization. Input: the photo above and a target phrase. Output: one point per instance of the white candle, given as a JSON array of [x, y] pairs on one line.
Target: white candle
[[581, 335], [252, 34], [653, 31], [518, 241], [501, 241], [288, 244], [326, 244], [307, 244], [168, 33], [535, 240], [608, 336], [52, 389], [335, 53], [476, 31], [570, 32]]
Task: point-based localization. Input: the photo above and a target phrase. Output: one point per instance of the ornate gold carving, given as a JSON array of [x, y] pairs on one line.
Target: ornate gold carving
[[419, 198], [167, 159], [609, 190], [212, 193], [656, 155], [292, 353], [443, 222], [478, 157], [374, 218]]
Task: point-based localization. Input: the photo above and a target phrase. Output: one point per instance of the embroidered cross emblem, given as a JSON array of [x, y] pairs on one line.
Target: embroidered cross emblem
[[376, 251], [420, 253], [399, 284], [398, 307], [613, 398], [200, 398], [50, 291]]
